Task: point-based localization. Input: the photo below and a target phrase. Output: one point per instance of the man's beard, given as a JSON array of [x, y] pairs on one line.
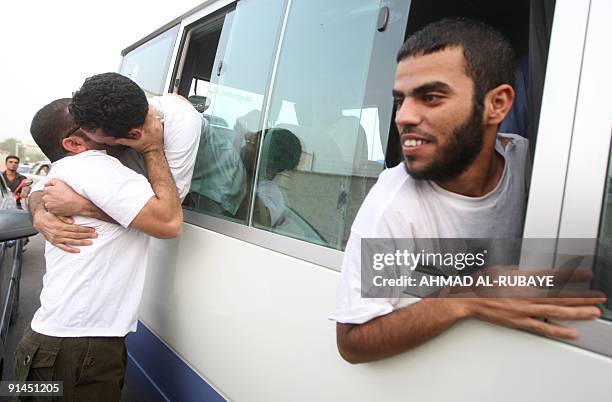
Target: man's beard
[[460, 150]]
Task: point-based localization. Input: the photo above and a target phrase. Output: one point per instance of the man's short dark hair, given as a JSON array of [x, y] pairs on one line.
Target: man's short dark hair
[[11, 157], [283, 150], [110, 102], [489, 58], [48, 127]]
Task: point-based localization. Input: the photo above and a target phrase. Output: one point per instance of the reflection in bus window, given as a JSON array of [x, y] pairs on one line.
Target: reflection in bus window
[[335, 170], [226, 75]]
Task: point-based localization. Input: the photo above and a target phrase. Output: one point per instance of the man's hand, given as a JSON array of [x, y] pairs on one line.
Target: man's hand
[[533, 314], [61, 200], [150, 138], [25, 191], [61, 232]]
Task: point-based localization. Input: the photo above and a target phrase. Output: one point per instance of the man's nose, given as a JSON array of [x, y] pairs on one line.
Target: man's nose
[[408, 114]]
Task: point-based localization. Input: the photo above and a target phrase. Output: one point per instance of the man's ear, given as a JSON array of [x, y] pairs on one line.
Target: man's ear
[[135, 133], [498, 102], [74, 144]]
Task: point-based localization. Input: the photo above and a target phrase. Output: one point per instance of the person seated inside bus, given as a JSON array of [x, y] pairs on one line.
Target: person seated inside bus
[[219, 183], [459, 179], [281, 152]]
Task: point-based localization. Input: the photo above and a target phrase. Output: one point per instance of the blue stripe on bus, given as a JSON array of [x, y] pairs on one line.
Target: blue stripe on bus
[[155, 373]]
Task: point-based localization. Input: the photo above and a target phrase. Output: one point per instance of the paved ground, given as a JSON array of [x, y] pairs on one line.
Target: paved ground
[[32, 272]]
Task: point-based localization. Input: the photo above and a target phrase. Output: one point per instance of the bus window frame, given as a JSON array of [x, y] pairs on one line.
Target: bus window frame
[[588, 160]]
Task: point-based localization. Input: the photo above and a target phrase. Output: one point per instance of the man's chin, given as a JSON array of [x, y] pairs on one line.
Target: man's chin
[[414, 170]]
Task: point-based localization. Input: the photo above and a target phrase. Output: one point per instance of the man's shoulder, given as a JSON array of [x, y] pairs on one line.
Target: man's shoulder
[[171, 101], [383, 197], [91, 156], [90, 163]]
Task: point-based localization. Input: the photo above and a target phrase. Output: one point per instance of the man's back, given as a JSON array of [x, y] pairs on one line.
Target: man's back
[[96, 292]]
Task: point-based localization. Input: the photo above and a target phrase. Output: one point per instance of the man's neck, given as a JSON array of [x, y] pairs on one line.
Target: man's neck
[[483, 174], [10, 174]]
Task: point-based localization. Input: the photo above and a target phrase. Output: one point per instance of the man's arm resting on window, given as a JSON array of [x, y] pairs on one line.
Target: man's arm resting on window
[[162, 215], [59, 231], [408, 327]]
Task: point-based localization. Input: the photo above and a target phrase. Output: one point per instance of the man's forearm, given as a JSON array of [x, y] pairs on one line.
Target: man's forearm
[[398, 331], [90, 210], [35, 203], [162, 181]]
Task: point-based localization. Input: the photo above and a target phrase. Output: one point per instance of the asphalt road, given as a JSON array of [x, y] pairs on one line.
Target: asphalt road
[[32, 272]]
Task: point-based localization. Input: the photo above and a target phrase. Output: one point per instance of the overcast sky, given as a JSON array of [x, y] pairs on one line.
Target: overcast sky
[[48, 48]]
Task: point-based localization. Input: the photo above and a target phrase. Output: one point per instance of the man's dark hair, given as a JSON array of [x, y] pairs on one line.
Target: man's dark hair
[[11, 157], [48, 127], [489, 58], [111, 102], [283, 150]]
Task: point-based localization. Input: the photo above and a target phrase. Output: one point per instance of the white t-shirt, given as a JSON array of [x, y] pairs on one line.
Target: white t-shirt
[[273, 199], [399, 206], [97, 292], [182, 128]]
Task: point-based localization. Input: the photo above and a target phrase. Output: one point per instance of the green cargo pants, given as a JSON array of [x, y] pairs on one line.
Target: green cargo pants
[[91, 368]]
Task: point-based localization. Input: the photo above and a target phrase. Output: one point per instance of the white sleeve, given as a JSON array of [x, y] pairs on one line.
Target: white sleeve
[[351, 307], [117, 190], [39, 185], [182, 128]]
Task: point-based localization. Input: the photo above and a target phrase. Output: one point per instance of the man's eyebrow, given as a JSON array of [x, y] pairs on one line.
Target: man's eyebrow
[[397, 94], [435, 86]]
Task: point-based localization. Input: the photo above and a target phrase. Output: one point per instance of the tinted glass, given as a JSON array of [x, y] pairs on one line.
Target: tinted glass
[[234, 105], [603, 267], [148, 64], [330, 104]]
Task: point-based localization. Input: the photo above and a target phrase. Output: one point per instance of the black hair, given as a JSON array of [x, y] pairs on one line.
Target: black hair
[[283, 150], [49, 126], [489, 58], [110, 102], [11, 157]]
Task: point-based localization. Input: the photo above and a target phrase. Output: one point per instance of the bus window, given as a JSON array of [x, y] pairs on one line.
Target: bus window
[[147, 65], [226, 77], [318, 78], [315, 194], [603, 267]]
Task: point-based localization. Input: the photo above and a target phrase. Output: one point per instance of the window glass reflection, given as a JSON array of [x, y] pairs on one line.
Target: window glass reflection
[[148, 64]]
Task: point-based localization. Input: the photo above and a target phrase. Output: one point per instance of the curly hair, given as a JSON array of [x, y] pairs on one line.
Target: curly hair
[[110, 102], [489, 58]]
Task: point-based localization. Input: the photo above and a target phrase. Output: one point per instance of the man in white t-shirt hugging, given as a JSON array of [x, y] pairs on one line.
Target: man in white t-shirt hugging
[[459, 179], [106, 107], [90, 299]]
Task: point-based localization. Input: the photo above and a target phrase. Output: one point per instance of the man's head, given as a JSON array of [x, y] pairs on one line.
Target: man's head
[[12, 163], [109, 106], [55, 132], [453, 87], [281, 151]]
